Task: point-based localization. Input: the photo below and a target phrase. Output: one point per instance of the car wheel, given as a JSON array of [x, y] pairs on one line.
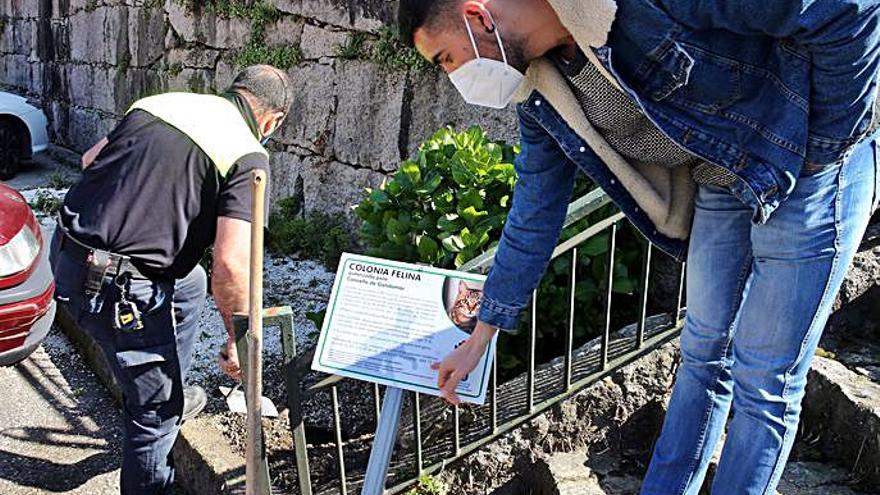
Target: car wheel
[[10, 150]]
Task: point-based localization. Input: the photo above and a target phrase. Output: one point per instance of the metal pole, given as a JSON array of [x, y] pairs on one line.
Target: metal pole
[[383, 445], [255, 448]]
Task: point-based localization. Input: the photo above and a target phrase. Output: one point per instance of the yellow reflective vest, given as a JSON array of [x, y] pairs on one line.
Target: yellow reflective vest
[[213, 123]]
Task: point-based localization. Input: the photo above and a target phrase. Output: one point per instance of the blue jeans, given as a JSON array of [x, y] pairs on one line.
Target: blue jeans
[[148, 365], [759, 297]]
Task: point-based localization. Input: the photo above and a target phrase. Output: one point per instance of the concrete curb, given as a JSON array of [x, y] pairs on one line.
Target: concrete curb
[[842, 410], [206, 465]]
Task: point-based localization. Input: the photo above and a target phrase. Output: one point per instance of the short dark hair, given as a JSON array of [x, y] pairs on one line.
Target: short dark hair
[[269, 86], [415, 14]]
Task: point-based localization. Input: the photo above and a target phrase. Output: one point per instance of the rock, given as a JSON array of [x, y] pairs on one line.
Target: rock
[[436, 103], [362, 15], [7, 37], [24, 36], [333, 187], [200, 25], [310, 124], [286, 31], [317, 42], [623, 484], [95, 35], [565, 474], [146, 35], [813, 478], [864, 274], [324, 186], [842, 410], [92, 86], [191, 80], [22, 8], [192, 58], [17, 72], [368, 115]]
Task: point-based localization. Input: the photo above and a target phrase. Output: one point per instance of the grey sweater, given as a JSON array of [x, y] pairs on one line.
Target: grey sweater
[[621, 122]]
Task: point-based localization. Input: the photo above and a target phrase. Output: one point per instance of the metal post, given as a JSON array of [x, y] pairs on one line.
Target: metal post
[[283, 318], [530, 378], [643, 295], [340, 454], [383, 445], [569, 338], [606, 333]]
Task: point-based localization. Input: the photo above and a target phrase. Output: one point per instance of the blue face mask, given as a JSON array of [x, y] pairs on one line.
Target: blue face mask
[[267, 137]]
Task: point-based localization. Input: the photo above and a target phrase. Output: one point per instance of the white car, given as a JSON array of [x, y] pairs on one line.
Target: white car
[[23, 133]]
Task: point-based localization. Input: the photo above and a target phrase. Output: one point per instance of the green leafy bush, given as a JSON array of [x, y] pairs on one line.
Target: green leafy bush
[[317, 236], [445, 206], [449, 204]]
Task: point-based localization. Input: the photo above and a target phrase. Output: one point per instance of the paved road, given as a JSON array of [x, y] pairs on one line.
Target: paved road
[[39, 171], [59, 428]]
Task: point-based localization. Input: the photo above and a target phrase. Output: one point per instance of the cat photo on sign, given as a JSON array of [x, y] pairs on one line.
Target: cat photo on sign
[[462, 298]]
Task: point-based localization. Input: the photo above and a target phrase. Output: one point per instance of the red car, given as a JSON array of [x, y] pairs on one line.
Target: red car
[[27, 307]]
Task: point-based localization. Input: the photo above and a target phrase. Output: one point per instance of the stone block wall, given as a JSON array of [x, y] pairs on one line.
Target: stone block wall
[[353, 121]]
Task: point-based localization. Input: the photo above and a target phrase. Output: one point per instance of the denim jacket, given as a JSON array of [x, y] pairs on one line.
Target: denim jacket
[[760, 88]]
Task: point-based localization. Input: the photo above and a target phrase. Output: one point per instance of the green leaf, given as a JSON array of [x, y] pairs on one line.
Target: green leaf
[[431, 184], [412, 172], [595, 246], [379, 197], [460, 172], [470, 197], [471, 215], [450, 223], [428, 249], [393, 188], [453, 244]]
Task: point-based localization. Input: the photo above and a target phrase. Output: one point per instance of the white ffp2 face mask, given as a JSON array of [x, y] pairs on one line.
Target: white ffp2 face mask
[[484, 81]]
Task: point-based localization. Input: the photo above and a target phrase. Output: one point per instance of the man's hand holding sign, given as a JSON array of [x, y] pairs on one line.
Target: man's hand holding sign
[[462, 361]]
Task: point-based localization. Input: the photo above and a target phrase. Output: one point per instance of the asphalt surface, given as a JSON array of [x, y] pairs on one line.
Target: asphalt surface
[[59, 428]]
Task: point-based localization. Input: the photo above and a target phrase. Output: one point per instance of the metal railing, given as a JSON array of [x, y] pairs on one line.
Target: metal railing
[[544, 386]]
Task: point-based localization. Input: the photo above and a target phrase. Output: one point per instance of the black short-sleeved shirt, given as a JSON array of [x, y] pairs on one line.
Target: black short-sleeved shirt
[[154, 195]]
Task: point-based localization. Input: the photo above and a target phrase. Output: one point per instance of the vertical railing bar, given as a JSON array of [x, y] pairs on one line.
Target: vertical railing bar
[[532, 338], [377, 406], [643, 295], [569, 338], [606, 334], [681, 284], [494, 404], [456, 418], [339, 452], [417, 420]]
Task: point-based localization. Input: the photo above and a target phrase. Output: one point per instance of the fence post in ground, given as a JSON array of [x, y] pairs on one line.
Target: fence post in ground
[[383, 445]]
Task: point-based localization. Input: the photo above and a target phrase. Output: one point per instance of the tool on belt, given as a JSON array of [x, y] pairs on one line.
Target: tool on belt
[[101, 264]]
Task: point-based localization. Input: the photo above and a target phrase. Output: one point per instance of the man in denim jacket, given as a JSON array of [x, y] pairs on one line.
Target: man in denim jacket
[[736, 134]]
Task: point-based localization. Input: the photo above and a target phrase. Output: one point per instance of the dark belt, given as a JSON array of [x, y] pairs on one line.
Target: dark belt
[[110, 264]]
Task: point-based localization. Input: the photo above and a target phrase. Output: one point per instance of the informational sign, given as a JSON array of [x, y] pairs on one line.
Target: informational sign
[[387, 322]]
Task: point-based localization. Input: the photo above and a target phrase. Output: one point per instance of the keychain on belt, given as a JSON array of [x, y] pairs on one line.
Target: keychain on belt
[[126, 315]]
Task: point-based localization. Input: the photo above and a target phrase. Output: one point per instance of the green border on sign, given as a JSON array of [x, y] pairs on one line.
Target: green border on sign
[[397, 267]]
